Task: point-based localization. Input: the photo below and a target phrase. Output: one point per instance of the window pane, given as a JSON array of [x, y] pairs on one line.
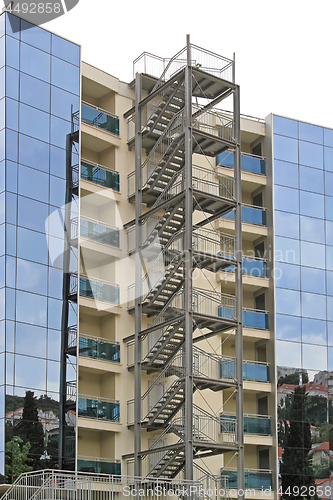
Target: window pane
[[311, 154], [287, 302], [11, 176], [287, 250], [54, 313], [30, 340], [30, 372], [59, 130], [313, 280], [311, 133], [34, 153], [285, 149], [312, 229], [65, 50], [2, 51], [329, 208], [287, 276], [314, 331], [35, 92], [31, 277], [286, 199], [284, 126], [312, 255], [311, 204], [2, 113], [31, 308], [33, 184], [33, 35], [314, 357], [35, 62], [286, 224], [313, 306], [311, 179], [34, 122], [62, 103], [2, 176], [12, 83], [65, 75], [12, 114], [11, 208], [32, 246], [57, 191], [329, 280], [329, 258], [328, 159], [58, 162], [12, 52], [53, 376], [288, 354], [13, 25], [54, 345], [32, 214], [10, 271], [288, 328]]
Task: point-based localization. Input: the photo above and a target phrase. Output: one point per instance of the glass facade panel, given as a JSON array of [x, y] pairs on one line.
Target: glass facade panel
[[286, 199], [285, 126], [311, 179], [31, 302], [311, 133], [287, 276], [312, 229], [311, 155], [286, 224], [288, 302], [288, 328], [286, 149]]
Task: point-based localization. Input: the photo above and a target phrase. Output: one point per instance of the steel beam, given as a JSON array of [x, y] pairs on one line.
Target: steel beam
[[188, 269], [239, 297], [138, 277]]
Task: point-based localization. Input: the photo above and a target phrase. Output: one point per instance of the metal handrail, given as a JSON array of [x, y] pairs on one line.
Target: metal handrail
[[98, 165], [263, 311], [99, 339], [97, 398], [98, 280]]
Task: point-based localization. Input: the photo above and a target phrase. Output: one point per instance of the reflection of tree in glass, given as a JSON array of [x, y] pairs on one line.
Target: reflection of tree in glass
[[293, 379], [296, 468], [16, 458], [29, 429]]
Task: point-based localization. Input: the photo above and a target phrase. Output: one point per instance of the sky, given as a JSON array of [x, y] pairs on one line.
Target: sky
[[283, 48]]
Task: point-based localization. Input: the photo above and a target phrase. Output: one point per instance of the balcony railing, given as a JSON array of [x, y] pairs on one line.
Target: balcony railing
[[97, 231], [255, 318], [92, 347], [93, 172], [99, 409], [252, 370], [252, 267], [249, 163], [99, 290], [254, 479], [250, 214], [253, 424], [99, 118], [99, 466]]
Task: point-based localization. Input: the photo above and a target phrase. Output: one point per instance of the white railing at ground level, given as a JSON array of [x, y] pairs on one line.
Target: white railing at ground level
[[63, 485]]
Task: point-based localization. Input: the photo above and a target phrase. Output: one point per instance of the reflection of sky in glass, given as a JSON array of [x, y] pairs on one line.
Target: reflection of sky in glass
[[30, 372], [288, 354], [314, 357]]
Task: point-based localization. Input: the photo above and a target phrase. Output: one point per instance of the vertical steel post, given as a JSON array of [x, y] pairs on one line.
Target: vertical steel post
[[188, 270], [138, 277], [239, 298]]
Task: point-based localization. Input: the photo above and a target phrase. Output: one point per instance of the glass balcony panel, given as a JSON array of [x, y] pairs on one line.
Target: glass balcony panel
[[255, 267], [255, 319], [249, 163], [98, 232], [255, 372], [101, 410], [98, 118], [99, 350], [99, 291], [257, 425], [251, 371], [100, 176], [251, 215], [253, 479], [99, 467], [252, 424]]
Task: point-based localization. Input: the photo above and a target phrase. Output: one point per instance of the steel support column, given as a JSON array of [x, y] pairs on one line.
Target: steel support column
[[239, 298], [188, 270], [138, 276]]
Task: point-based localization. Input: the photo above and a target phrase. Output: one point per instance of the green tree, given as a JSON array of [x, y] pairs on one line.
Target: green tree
[[29, 429], [296, 467], [293, 379], [16, 458]]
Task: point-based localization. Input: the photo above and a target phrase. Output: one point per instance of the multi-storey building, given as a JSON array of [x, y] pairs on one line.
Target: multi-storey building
[[165, 266]]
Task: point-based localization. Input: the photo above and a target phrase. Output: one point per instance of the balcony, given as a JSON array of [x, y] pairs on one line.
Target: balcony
[[254, 479], [254, 318], [249, 163], [99, 118], [94, 289], [97, 231], [99, 409], [253, 424], [250, 215], [92, 347], [254, 371], [99, 466], [93, 172]]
